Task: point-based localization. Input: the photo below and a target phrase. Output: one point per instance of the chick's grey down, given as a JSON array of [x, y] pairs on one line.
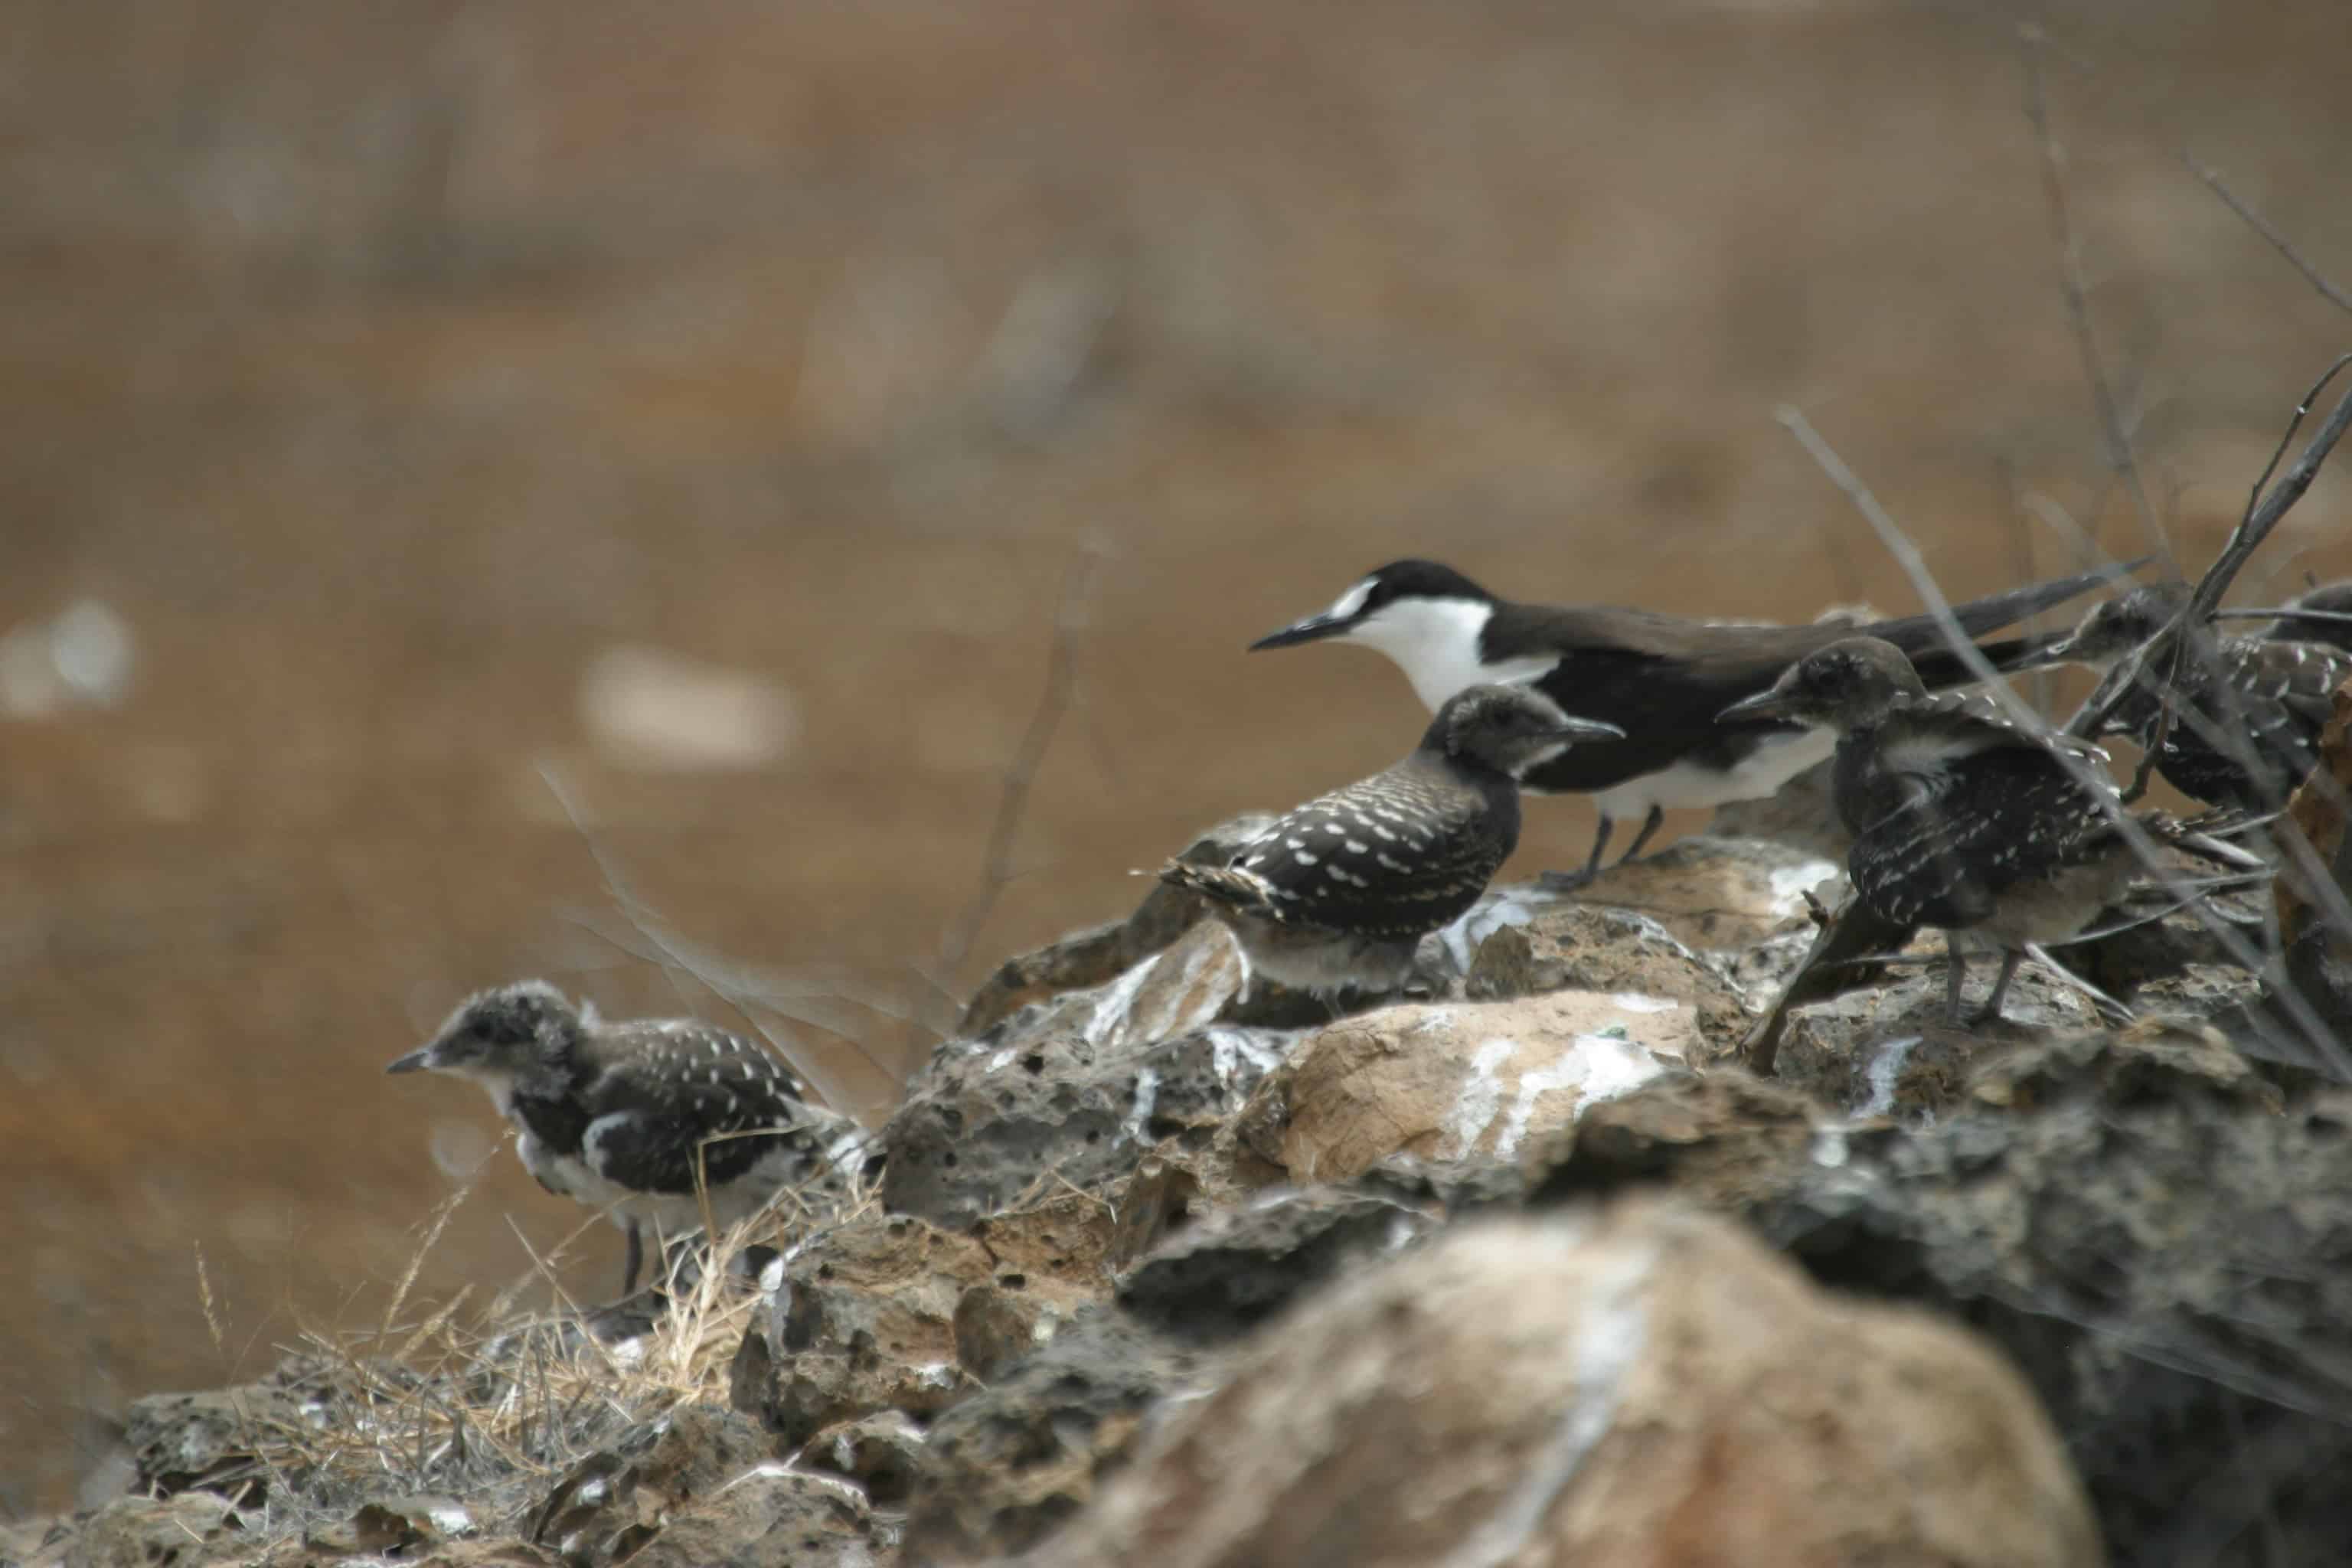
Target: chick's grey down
[[1962, 820], [1338, 893], [2247, 712], [647, 1119]]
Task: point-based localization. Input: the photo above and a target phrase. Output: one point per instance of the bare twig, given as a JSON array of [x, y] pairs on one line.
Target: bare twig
[[2263, 512], [1848, 952], [2212, 181], [1021, 775], [2334, 617], [2097, 787], [677, 956], [2120, 457], [2143, 107]]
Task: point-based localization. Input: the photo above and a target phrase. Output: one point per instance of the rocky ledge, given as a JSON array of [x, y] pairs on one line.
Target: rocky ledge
[[1157, 1267]]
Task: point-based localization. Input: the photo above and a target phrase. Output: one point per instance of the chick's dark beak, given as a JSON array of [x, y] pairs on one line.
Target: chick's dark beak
[[1574, 729], [414, 1061], [1771, 703], [2058, 650]]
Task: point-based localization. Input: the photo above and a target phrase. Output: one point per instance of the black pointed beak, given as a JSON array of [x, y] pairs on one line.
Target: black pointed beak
[[1313, 628], [1770, 703], [1574, 729], [414, 1061]]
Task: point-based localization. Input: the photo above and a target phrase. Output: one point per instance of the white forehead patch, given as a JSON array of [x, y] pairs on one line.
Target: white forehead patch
[[1346, 606]]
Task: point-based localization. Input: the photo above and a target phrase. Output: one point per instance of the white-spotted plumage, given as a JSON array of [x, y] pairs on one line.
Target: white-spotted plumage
[[2330, 627], [1962, 819], [2246, 713], [1393, 856], [650, 1121]]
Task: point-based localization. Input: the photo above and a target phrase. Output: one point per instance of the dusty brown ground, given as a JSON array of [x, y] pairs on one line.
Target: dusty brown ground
[[382, 366]]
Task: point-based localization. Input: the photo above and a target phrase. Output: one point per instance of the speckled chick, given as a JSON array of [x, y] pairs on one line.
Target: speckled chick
[[1338, 893], [2331, 626], [625, 1116], [2274, 695], [1962, 820]]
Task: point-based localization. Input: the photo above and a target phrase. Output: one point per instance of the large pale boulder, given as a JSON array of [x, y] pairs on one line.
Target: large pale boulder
[[1451, 1080], [1644, 1386]]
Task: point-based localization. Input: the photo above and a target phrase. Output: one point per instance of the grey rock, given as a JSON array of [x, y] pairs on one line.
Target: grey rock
[[394, 1525], [865, 1317], [877, 1452], [611, 1503], [1229, 1270], [2160, 1239], [1566, 946], [1447, 1188], [768, 1516], [1728, 1141], [986, 1122], [997, 1328], [218, 1439], [1099, 955], [1006, 1465], [1716, 892], [142, 1533]]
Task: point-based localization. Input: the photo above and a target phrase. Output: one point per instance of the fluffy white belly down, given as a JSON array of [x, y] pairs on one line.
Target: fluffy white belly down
[[2055, 907], [668, 1214], [1760, 772]]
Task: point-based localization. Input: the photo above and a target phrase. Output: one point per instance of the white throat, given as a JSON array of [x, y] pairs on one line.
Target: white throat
[[1435, 643], [500, 1083]]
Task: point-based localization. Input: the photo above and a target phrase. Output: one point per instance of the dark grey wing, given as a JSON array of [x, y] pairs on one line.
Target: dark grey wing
[[1394, 856], [2247, 722], [1977, 805], [1978, 718], [1956, 739], [2298, 680], [669, 1095]]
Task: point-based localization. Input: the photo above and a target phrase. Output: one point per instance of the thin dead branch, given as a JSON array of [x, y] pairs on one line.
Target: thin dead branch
[[2121, 460], [677, 956], [1078, 585], [2319, 1039], [1848, 951], [2264, 510], [2212, 180]]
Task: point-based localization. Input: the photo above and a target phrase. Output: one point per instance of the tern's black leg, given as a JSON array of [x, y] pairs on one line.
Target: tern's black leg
[[635, 1261], [1649, 826], [1956, 976], [1569, 881], [1990, 1012]]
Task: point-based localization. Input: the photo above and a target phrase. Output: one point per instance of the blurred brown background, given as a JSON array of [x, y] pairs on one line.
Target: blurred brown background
[[708, 404]]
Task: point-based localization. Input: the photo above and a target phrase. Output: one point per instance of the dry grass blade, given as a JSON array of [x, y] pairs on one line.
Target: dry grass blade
[[435, 1224], [434, 1325], [491, 1407], [211, 1305]]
